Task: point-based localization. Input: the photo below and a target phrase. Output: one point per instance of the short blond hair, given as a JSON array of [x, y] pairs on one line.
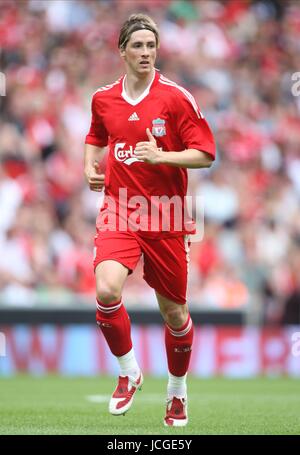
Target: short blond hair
[[137, 22]]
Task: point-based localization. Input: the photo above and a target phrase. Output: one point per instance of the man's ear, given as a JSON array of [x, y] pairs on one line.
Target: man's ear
[[122, 53]]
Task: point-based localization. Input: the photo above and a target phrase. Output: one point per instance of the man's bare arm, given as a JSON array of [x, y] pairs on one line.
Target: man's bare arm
[[92, 158], [190, 158]]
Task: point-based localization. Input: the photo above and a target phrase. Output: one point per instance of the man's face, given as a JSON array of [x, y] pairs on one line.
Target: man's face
[[140, 52]]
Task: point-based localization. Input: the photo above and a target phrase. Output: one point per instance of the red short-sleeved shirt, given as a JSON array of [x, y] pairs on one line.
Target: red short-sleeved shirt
[[172, 115]]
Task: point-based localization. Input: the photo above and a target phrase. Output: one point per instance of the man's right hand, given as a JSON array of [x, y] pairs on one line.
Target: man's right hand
[[94, 177]]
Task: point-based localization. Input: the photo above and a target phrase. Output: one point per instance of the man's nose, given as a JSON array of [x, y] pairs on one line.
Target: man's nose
[[145, 50]]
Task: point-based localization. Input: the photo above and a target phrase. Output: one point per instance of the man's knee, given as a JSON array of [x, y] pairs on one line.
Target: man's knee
[[176, 315], [107, 292]]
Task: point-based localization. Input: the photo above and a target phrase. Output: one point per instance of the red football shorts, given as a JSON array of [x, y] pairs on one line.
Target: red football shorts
[[165, 260]]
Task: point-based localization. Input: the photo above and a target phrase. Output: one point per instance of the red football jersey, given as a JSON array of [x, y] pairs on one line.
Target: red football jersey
[[173, 117]]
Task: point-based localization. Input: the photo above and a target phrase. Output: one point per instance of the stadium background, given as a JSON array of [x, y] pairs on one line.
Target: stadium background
[[237, 58]]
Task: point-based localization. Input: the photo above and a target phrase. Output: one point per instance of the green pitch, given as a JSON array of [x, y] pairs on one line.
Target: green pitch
[[56, 405]]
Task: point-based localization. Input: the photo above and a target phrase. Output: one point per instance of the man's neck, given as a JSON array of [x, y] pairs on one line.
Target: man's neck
[[135, 85]]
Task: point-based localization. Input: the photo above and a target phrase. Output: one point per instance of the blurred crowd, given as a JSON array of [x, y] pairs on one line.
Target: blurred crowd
[[237, 58]]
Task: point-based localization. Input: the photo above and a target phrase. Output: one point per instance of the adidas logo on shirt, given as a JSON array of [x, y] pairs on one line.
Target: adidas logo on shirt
[[133, 117]]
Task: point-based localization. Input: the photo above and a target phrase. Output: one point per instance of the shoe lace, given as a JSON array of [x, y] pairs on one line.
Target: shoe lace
[[122, 384], [127, 385], [175, 405]]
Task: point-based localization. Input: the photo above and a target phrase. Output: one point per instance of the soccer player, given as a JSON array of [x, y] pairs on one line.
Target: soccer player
[[154, 131]]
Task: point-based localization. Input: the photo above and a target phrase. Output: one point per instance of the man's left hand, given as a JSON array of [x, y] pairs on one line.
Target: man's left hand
[[148, 151]]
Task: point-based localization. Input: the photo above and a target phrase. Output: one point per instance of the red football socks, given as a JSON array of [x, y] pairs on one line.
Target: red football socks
[[179, 347], [114, 323]]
